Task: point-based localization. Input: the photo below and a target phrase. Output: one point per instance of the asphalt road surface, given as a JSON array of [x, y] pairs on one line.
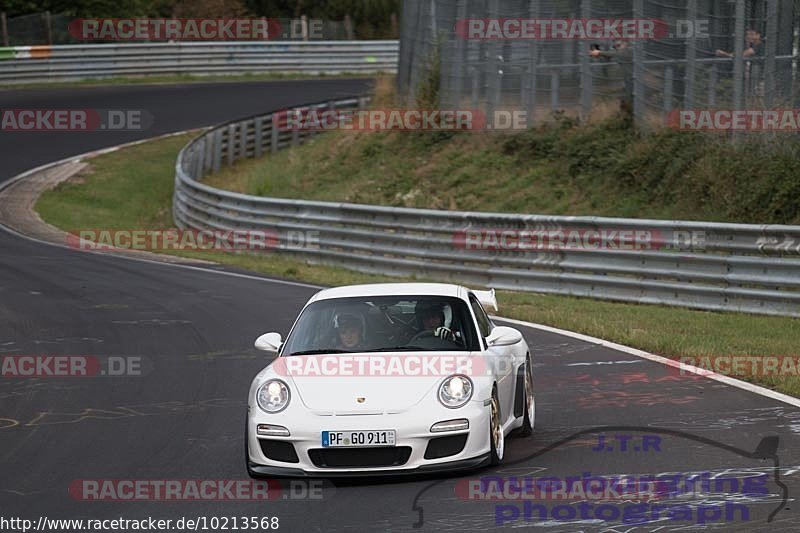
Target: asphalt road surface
[[193, 330]]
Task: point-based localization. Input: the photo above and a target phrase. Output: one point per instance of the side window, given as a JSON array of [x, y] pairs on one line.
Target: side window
[[484, 324]]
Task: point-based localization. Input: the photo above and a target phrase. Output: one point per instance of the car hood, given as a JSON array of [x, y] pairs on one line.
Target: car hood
[[371, 383]]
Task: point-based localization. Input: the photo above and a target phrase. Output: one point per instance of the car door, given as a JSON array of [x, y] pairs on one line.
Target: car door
[[502, 359]]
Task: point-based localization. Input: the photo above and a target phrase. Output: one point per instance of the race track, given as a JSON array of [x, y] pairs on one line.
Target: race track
[[194, 329]]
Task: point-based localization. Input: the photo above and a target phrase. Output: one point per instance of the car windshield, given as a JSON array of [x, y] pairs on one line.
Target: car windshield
[[382, 324]]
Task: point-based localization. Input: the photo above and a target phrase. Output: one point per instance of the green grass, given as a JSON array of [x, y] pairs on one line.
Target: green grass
[[132, 188], [603, 169]]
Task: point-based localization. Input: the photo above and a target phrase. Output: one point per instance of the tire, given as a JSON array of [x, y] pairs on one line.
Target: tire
[[496, 436], [529, 412]]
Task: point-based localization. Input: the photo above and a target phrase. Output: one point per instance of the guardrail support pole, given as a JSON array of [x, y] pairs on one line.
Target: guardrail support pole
[[231, 143], [217, 150], [258, 137], [208, 157], [273, 142]]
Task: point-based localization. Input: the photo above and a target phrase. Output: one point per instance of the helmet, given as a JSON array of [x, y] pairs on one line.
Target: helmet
[[347, 319], [425, 309]]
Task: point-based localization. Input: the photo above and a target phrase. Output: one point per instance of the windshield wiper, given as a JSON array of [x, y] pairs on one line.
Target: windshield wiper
[[317, 352]]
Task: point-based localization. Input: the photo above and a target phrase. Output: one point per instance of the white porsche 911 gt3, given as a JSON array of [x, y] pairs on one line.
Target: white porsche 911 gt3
[[395, 378]]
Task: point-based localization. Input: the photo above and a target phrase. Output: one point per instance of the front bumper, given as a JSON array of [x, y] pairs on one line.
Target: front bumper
[[412, 430], [449, 466]]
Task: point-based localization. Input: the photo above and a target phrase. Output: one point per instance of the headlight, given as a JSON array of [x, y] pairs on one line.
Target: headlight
[[455, 391], [273, 396]]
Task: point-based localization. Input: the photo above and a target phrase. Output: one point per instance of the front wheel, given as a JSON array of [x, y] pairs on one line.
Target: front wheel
[[496, 436]]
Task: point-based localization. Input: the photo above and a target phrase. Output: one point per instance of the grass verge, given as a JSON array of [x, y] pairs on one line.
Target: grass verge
[[176, 79], [132, 188]]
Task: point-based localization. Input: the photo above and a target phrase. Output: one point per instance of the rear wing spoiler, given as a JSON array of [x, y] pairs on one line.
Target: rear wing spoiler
[[487, 298]]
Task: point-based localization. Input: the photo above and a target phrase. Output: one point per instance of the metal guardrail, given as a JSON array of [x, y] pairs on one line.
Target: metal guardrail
[[26, 64], [715, 266]]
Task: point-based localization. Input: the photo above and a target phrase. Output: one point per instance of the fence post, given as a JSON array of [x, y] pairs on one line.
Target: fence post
[[48, 22], [638, 69], [348, 27], [712, 86], [668, 77], [494, 81], [304, 27], [691, 56], [586, 68], [530, 74], [738, 60], [554, 83], [476, 87], [769, 61], [4, 28], [458, 58]]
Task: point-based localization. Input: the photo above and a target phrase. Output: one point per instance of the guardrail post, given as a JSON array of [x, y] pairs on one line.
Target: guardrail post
[[231, 142], [295, 136], [208, 157], [258, 137], [197, 159], [217, 150], [4, 28], [273, 143]]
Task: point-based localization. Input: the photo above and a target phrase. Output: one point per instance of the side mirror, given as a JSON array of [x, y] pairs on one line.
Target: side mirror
[[503, 336], [269, 342]]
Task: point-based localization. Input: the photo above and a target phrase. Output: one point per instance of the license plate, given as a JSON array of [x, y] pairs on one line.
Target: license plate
[[341, 439]]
